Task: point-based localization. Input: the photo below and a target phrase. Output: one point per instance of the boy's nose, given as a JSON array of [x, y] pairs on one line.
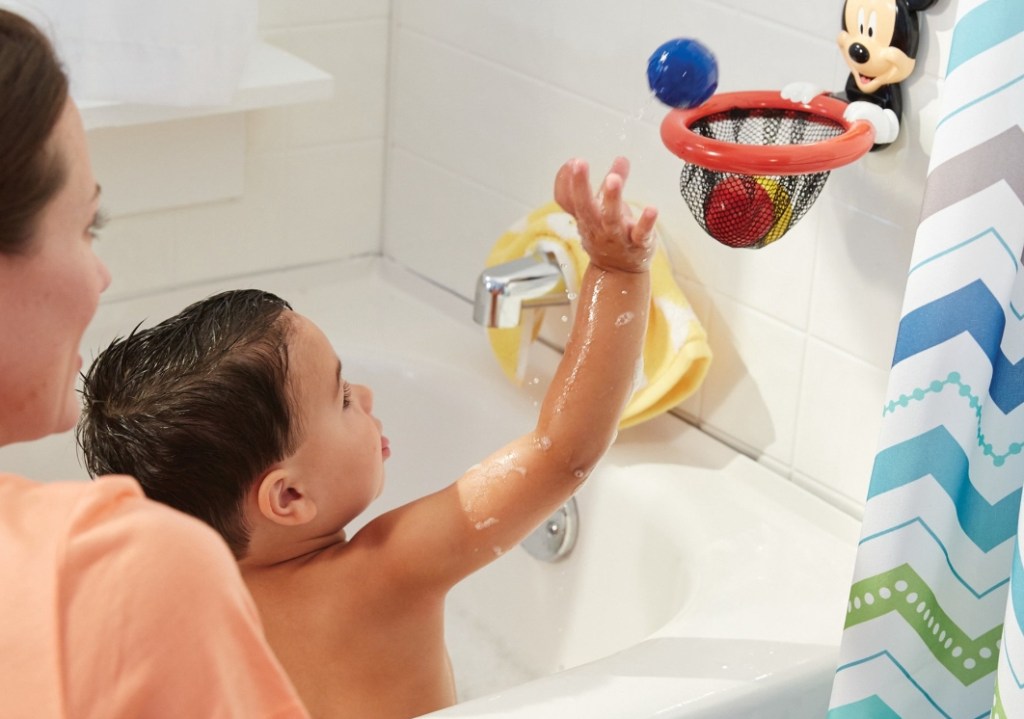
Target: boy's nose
[[365, 396]]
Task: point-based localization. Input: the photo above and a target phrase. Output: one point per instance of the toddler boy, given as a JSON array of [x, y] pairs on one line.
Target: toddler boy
[[237, 411]]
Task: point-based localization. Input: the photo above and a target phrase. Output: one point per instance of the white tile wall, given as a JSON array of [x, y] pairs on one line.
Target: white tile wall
[[449, 120], [838, 419], [753, 391], [488, 97], [312, 188]]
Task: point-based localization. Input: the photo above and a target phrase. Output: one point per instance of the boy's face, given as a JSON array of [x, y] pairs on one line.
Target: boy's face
[[340, 457]]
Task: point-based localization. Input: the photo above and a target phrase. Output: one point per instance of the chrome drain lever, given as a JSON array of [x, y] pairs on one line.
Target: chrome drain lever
[[556, 536]]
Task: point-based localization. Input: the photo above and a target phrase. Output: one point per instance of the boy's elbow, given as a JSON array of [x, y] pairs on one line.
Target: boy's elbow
[[576, 454]]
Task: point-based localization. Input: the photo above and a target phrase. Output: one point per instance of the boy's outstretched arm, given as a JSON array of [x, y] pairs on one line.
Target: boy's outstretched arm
[[594, 380], [437, 540]]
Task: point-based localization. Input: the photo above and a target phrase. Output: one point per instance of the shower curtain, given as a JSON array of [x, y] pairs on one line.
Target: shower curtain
[[185, 52], [935, 620]]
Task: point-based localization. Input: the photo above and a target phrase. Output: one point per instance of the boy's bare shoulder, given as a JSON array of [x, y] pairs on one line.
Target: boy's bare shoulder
[[319, 576]]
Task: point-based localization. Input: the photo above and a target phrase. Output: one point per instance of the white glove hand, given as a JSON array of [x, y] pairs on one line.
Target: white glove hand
[[800, 92], [887, 126]]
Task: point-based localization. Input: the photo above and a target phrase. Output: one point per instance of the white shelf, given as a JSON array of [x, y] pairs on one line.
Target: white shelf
[[272, 77]]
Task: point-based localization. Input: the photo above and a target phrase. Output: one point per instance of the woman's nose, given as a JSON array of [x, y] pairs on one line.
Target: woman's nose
[[104, 273]]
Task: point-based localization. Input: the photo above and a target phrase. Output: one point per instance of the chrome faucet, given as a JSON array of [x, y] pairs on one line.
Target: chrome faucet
[[504, 290]]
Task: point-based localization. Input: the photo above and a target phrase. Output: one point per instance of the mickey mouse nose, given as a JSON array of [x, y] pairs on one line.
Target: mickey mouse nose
[[859, 53]]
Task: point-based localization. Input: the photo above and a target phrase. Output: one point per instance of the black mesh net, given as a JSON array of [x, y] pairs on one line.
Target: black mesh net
[[743, 210]]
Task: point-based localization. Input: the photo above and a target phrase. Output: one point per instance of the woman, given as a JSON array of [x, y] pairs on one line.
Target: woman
[[111, 606]]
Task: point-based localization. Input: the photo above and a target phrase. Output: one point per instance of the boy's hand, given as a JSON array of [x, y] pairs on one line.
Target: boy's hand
[[612, 238]]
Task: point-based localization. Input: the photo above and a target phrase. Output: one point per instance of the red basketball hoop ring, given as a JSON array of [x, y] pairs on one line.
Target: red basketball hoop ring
[[765, 160]]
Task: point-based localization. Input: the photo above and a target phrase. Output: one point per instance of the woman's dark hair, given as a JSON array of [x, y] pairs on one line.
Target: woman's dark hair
[[33, 91], [196, 408]]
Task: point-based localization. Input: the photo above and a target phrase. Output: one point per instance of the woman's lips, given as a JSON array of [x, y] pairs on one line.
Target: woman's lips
[[385, 447]]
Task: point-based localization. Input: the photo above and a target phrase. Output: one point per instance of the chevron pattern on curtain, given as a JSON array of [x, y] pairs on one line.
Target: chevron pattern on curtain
[[935, 620]]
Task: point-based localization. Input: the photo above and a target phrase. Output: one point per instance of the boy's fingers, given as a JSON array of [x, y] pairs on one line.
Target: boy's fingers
[[611, 195], [620, 167], [563, 186], [644, 227], [573, 193], [583, 201]]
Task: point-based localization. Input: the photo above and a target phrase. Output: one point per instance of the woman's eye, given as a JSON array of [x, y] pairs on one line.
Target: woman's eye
[[99, 221], [346, 395]]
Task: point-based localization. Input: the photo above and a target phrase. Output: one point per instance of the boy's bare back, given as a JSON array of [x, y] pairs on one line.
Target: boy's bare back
[[354, 640]]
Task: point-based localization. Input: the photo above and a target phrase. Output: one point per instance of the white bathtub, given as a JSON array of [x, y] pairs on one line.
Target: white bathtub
[[701, 584]]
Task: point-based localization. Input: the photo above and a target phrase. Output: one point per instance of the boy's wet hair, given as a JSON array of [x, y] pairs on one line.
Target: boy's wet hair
[[196, 408]]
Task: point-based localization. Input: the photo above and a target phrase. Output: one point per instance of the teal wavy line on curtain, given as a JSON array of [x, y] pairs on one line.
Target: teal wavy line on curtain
[[937, 453], [983, 28], [972, 309], [886, 655], [974, 402], [978, 594], [982, 98], [871, 708], [981, 235]]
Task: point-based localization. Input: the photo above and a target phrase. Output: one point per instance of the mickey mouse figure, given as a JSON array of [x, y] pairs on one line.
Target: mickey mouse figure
[[879, 43]]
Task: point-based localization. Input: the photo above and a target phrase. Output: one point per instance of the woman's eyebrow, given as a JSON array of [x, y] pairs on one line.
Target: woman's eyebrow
[[337, 389]]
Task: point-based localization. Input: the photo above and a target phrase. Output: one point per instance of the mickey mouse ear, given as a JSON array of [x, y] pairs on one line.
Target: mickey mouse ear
[[919, 5]]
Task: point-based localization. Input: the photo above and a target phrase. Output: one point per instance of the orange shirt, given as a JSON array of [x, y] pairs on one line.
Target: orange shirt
[[114, 606]]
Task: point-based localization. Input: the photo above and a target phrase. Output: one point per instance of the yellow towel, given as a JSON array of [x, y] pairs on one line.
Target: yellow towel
[[676, 354]]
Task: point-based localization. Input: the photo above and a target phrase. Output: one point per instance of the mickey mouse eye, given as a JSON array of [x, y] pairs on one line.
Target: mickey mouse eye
[[872, 23], [860, 21]]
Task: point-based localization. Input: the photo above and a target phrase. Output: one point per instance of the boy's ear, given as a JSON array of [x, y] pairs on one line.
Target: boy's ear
[[281, 501]]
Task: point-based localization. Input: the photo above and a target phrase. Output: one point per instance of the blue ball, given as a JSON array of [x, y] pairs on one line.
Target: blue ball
[[682, 73]]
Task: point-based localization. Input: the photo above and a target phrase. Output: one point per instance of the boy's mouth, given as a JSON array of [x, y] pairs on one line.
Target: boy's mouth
[[385, 447]]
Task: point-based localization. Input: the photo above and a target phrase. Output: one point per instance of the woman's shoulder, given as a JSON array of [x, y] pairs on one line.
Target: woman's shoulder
[[46, 512], [126, 574], [109, 520], [59, 499], [161, 543]]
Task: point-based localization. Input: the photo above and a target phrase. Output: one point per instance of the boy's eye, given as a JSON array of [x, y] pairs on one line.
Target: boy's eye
[[346, 394]]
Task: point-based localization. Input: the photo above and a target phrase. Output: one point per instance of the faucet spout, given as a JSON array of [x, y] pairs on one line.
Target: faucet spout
[[504, 290]]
